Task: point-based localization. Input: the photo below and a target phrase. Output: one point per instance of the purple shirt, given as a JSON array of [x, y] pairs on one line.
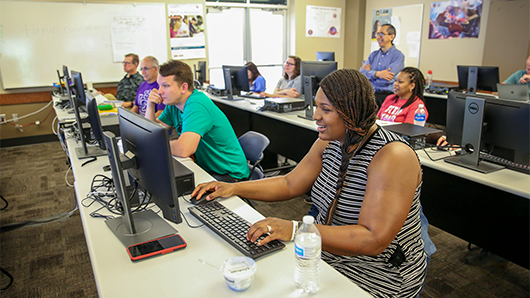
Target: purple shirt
[[142, 94]]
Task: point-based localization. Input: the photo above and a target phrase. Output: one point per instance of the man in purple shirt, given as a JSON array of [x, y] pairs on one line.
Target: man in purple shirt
[[384, 64], [149, 68]]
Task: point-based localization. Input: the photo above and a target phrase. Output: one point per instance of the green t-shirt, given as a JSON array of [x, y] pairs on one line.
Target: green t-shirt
[[219, 150]]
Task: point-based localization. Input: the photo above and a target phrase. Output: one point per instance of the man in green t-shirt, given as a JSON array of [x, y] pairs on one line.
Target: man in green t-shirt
[[202, 128]]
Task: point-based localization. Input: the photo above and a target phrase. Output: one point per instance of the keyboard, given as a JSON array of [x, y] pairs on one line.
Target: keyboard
[[504, 162], [232, 228], [253, 96]]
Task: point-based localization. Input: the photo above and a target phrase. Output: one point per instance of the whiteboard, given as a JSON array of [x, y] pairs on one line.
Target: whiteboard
[[38, 38]]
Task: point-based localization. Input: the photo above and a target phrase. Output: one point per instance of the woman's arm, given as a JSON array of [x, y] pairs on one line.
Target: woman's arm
[[294, 184], [393, 176]]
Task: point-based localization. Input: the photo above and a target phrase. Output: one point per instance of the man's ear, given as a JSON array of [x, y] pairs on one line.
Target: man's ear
[[184, 88]]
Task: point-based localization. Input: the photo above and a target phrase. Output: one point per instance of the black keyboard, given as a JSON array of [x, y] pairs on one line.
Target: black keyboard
[[504, 162], [232, 228]]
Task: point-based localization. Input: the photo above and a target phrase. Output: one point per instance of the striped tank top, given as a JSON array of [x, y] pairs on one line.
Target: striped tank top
[[374, 274]]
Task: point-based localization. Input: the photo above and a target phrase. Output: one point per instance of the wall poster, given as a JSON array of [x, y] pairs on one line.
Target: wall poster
[[455, 19], [186, 29], [321, 21]]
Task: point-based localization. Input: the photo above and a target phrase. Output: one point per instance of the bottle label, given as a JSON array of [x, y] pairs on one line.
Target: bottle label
[[419, 117], [307, 252]]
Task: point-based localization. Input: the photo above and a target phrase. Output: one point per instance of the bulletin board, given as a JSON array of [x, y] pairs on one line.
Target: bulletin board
[[38, 38], [408, 22]]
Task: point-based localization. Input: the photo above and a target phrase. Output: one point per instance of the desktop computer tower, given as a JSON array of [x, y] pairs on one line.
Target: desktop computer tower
[[184, 179]]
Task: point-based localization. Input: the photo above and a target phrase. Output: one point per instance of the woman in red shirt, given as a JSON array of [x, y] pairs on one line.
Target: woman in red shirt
[[408, 95]]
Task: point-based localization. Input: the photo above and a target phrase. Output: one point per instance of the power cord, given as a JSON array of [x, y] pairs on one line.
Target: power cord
[[3, 199]]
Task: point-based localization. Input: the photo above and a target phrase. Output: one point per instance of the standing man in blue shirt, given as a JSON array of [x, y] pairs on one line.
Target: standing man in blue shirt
[[384, 64]]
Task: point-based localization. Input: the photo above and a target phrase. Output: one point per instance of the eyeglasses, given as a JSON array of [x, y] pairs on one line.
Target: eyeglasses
[[145, 68], [289, 63], [126, 63], [381, 34]]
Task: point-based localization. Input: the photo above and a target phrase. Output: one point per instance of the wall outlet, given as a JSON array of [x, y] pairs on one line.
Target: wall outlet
[[3, 118], [15, 118]]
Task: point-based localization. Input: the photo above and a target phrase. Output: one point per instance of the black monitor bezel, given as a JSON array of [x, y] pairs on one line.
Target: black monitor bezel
[[149, 141], [503, 131], [319, 69], [487, 77]]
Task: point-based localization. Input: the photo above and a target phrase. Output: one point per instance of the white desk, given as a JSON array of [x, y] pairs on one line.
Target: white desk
[[179, 274]]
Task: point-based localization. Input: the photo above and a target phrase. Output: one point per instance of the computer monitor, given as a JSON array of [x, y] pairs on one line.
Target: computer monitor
[[79, 87], [67, 82], [61, 87], [84, 151], [95, 121], [325, 56], [133, 228], [312, 72], [504, 130], [236, 80], [200, 72], [149, 142], [482, 78]]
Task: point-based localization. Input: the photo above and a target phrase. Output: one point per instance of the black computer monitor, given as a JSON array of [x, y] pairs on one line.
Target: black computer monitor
[[325, 56], [236, 80], [505, 125], [200, 72], [95, 121], [133, 228], [149, 142], [79, 88], [67, 82], [61, 87], [486, 78], [312, 72], [84, 151]]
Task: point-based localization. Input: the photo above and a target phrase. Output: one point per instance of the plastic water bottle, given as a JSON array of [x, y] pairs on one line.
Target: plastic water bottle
[[429, 79], [308, 246], [419, 116]]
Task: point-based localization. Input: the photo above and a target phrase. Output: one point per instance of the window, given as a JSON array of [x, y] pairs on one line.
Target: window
[[242, 33]]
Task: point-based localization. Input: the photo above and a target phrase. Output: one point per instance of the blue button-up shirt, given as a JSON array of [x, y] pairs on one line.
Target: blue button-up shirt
[[379, 60]]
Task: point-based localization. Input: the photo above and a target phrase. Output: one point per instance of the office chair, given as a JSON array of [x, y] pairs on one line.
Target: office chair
[[253, 144]]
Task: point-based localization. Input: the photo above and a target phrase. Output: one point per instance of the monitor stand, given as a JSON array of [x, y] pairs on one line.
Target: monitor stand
[[148, 226], [309, 82], [471, 137], [131, 228]]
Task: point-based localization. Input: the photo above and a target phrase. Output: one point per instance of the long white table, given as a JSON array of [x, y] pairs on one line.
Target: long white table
[[180, 274]]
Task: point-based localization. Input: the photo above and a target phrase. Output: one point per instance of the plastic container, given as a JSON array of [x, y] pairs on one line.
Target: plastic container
[[239, 272], [428, 80], [419, 116], [308, 247]]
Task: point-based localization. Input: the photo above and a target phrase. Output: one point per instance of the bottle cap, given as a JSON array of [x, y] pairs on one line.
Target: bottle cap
[[429, 71], [308, 219], [419, 106]]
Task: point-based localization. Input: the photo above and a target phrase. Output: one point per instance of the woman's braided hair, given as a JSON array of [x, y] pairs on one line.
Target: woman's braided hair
[[351, 94]]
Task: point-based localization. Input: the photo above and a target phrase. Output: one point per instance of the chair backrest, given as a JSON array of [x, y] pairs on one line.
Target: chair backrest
[[253, 144]]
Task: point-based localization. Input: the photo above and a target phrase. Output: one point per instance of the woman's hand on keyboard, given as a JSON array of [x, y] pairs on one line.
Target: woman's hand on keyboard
[[218, 189], [276, 228]]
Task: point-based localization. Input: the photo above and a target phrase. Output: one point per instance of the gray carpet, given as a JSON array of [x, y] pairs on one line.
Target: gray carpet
[[51, 260]]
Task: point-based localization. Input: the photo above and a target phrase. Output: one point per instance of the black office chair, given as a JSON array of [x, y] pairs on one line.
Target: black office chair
[[253, 144]]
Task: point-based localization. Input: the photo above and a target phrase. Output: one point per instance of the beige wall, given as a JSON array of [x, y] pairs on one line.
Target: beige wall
[[503, 40], [306, 47], [8, 131], [508, 37], [354, 33]]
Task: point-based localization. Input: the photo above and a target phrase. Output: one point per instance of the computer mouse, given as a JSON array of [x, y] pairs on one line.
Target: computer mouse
[[202, 200]]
